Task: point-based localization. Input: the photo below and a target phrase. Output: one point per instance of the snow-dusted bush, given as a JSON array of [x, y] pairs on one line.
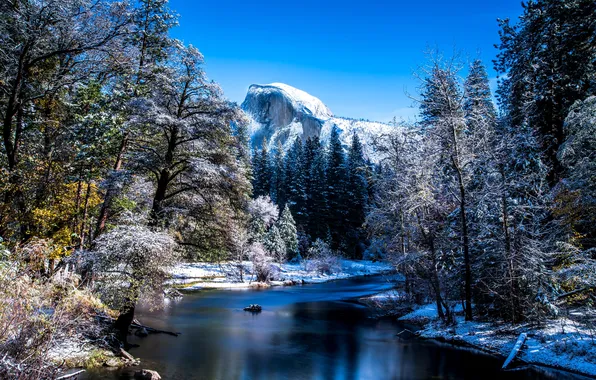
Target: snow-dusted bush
[[262, 215], [322, 259], [240, 250], [38, 315], [376, 250], [264, 210], [261, 262], [130, 260]]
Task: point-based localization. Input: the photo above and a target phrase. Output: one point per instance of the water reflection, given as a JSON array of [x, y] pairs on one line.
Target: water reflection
[[302, 333]]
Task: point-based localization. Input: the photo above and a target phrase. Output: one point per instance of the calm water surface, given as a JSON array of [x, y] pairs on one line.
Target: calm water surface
[[303, 332]]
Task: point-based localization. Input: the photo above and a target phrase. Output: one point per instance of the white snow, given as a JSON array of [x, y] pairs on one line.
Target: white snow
[[560, 343], [225, 275], [386, 296], [367, 131]]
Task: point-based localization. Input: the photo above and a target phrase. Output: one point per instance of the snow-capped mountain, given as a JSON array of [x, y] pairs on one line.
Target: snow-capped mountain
[[279, 113]]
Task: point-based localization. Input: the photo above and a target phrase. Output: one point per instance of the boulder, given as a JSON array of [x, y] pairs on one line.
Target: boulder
[[147, 374]]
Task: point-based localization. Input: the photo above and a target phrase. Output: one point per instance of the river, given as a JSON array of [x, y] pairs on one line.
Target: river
[[312, 331]]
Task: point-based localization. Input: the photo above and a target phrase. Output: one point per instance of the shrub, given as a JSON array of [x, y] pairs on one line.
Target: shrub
[[322, 259], [261, 262]]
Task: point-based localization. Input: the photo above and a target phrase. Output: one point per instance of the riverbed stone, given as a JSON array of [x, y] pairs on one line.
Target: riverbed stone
[[147, 374]]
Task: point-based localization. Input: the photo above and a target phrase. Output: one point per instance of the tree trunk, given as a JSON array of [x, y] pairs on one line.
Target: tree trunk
[[158, 198], [85, 213], [123, 323], [465, 239], [466, 246], [435, 280], [507, 238]]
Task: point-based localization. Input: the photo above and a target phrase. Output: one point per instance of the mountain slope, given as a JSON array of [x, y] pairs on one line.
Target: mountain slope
[[279, 113]]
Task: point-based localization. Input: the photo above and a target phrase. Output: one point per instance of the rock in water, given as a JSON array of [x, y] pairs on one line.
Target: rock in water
[[279, 113], [147, 374], [142, 332], [253, 308]]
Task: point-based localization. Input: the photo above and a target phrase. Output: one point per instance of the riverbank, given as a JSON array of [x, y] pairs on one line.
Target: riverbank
[[563, 343], [233, 275]]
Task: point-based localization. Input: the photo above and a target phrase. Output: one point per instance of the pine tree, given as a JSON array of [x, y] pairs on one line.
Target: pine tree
[[278, 177], [295, 179], [357, 193], [311, 149], [261, 172], [548, 62], [336, 188], [478, 104], [317, 221], [275, 244], [288, 233]]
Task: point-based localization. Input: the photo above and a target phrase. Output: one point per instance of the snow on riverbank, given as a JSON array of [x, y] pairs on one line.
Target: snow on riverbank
[[226, 275], [560, 343]]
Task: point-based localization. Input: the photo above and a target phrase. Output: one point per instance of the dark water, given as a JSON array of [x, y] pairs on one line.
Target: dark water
[[303, 332]]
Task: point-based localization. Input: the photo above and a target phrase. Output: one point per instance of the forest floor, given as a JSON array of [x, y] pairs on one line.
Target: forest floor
[[567, 342], [227, 275]]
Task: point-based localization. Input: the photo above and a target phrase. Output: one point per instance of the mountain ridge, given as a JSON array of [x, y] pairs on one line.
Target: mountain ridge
[[279, 113]]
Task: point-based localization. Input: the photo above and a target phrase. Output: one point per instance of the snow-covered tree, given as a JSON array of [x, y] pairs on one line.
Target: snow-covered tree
[[261, 168], [137, 71], [356, 195], [274, 244], [261, 261], [185, 142], [336, 188], [127, 262], [263, 209], [577, 154], [317, 199], [443, 116], [547, 62], [295, 178], [278, 177], [288, 233]]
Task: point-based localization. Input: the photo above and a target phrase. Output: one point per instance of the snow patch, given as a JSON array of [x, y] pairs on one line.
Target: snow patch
[[225, 275], [560, 343]]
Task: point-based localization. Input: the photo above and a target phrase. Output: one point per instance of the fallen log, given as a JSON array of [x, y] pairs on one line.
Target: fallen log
[[516, 348], [126, 355], [152, 330], [573, 292]]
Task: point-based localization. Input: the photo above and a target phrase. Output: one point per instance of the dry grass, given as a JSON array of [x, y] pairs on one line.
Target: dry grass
[[40, 315]]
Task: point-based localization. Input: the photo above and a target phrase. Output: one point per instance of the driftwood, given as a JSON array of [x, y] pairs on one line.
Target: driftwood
[[126, 355], [516, 348], [152, 330], [135, 324], [69, 375]]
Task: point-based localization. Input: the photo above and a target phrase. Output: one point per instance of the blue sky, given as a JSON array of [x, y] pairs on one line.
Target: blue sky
[[356, 56]]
